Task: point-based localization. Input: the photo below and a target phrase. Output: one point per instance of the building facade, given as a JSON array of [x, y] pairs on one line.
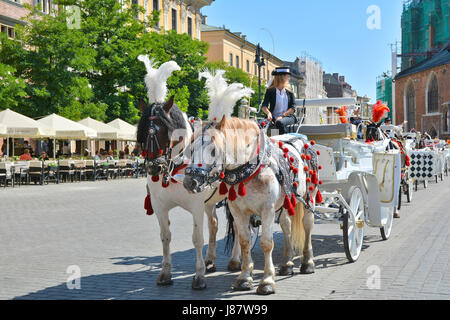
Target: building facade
[[183, 16], [234, 49], [422, 95], [12, 13], [384, 91], [310, 85], [425, 29]]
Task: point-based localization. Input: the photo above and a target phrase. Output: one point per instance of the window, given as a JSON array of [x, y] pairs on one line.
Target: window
[[43, 5], [156, 8], [4, 29], [410, 106], [433, 95], [136, 10], [231, 59], [174, 19], [11, 32], [237, 62], [248, 66], [189, 23]]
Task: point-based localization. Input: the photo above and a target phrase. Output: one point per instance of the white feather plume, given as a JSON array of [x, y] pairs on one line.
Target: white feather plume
[[223, 96], [156, 78]]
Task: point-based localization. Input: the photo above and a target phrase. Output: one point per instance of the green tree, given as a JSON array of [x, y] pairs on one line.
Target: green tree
[[51, 57], [12, 89]]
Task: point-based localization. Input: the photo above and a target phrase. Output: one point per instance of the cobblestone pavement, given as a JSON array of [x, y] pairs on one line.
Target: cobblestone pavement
[[101, 227]]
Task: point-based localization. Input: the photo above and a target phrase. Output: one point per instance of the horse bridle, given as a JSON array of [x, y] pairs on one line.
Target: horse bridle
[[165, 155], [200, 174]]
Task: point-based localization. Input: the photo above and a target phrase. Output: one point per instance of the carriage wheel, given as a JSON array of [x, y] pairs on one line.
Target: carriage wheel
[[353, 226], [409, 191], [386, 230]]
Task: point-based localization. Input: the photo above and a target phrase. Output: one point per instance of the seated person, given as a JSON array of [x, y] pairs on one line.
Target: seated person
[[43, 156], [356, 120], [97, 155], [279, 103], [110, 155], [26, 156]]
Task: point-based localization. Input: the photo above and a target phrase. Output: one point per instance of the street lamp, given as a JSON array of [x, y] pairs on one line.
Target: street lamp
[[259, 60]]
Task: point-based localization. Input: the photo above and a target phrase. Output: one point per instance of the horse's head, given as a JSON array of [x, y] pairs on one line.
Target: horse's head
[[156, 131], [227, 144], [206, 154]]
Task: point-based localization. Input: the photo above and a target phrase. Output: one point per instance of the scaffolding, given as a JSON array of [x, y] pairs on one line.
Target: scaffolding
[[384, 91], [425, 29]]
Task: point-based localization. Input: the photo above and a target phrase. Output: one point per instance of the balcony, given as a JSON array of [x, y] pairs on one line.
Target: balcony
[[198, 4]]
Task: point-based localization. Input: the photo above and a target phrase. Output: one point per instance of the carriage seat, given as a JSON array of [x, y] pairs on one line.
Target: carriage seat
[[328, 131]]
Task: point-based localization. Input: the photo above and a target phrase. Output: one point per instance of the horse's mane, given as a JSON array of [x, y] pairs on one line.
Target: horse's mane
[[237, 130]]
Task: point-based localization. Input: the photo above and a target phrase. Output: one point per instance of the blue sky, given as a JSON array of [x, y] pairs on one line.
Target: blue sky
[[335, 32]]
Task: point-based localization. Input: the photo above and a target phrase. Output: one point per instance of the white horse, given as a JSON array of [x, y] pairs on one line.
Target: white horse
[[270, 175], [164, 133], [158, 123]]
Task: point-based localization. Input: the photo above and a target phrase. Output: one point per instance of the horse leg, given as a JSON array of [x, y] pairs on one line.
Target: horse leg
[[165, 276], [212, 227], [245, 280], [199, 281], [235, 262], [267, 284], [287, 265], [307, 266]]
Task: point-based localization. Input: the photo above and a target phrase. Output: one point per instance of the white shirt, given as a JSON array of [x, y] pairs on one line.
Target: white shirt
[[281, 104]]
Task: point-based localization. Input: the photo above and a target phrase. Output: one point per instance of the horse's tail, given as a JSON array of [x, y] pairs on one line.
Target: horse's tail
[[297, 228], [229, 243]]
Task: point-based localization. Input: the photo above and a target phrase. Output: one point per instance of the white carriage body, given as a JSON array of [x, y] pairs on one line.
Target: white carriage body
[[347, 163]]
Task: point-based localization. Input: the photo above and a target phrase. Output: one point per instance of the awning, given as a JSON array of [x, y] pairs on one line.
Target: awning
[[68, 129], [104, 131], [20, 126], [126, 131]]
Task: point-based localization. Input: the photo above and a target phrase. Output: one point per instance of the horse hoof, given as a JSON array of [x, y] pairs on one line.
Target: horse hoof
[[286, 271], [199, 283], [210, 267], [243, 285], [307, 268], [265, 289], [165, 280], [234, 265]]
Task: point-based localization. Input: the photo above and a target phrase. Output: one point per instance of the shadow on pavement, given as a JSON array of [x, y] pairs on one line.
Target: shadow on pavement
[[141, 283]]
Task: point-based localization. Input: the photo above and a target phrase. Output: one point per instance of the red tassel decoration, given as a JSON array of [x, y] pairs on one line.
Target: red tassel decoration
[[295, 184], [318, 197], [164, 185], [408, 163], [308, 180], [295, 170], [293, 200], [306, 146], [313, 142], [291, 211], [155, 178], [308, 157], [305, 168], [287, 203], [318, 152], [314, 178], [242, 191], [303, 157], [280, 144], [223, 188], [232, 194], [311, 188], [148, 205]]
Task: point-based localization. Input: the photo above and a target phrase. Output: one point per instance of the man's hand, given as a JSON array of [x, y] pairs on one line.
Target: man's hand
[[269, 116]]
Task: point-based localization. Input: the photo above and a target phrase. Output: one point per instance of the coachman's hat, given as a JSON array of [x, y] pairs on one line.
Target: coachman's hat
[[281, 70]]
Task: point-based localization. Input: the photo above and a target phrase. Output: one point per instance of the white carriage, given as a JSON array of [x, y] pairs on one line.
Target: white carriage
[[360, 182]]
